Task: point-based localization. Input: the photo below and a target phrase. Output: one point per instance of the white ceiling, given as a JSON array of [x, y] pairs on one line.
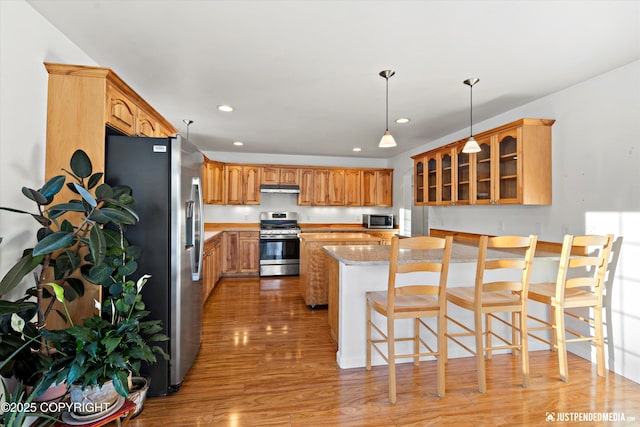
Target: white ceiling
[[303, 75]]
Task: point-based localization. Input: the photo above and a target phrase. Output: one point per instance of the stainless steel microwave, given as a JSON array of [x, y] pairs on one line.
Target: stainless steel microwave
[[377, 220]]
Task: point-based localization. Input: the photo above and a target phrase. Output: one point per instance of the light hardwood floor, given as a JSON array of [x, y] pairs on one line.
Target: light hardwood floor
[[268, 360]]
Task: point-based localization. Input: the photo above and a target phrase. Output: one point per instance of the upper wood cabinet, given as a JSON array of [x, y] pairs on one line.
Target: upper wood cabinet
[[242, 185], [251, 180], [328, 187], [384, 187], [305, 198], [377, 187], [213, 182], [124, 113], [275, 175], [353, 187], [321, 187], [513, 166], [237, 184], [121, 112]]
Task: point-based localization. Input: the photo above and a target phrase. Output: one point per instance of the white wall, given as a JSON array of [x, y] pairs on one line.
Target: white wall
[[26, 41], [287, 202], [596, 186]]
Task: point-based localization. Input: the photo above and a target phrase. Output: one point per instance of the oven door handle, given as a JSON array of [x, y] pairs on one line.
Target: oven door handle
[[281, 237]]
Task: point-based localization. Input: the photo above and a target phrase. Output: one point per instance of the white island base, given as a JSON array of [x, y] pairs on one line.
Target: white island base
[[355, 270]]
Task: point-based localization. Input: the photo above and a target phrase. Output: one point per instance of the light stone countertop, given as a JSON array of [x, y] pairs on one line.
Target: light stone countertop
[[336, 236], [377, 255]]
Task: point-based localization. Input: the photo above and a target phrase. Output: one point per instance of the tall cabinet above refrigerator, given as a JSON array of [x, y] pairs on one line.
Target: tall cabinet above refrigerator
[[165, 175]]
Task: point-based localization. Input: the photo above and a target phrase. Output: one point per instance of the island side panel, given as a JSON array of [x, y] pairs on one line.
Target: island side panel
[[334, 283]]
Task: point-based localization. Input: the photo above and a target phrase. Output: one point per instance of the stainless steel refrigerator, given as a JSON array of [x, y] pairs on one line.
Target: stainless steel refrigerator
[[165, 175]]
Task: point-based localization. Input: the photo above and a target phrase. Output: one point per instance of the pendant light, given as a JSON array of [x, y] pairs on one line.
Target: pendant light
[[471, 146], [387, 140]]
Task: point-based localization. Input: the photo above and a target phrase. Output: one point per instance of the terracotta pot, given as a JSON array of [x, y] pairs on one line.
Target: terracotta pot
[[92, 399]]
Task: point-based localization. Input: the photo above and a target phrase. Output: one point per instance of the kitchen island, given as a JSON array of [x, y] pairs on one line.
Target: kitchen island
[[355, 270]]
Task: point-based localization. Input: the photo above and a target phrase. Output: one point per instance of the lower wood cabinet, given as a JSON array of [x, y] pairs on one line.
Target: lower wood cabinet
[[211, 265], [241, 253]]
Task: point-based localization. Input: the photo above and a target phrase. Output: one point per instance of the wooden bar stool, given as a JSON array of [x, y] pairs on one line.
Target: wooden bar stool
[[584, 261], [487, 298], [412, 301]]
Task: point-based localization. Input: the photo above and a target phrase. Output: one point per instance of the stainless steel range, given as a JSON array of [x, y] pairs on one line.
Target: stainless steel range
[[279, 244]]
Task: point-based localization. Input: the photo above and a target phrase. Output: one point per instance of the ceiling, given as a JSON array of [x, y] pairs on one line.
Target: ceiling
[[303, 75]]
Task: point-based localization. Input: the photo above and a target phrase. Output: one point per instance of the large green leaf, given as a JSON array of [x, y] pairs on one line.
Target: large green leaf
[[123, 206], [128, 269], [111, 343], [94, 180], [97, 245], [86, 196], [120, 380], [54, 242], [34, 195], [117, 216], [13, 277], [81, 164], [76, 284], [98, 274], [75, 372], [104, 191], [62, 208], [10, 307], [53, 186]]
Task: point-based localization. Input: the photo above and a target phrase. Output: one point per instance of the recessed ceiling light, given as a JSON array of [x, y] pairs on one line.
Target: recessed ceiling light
[[357, 149], [402, 120], [238, 143], [225, 108]]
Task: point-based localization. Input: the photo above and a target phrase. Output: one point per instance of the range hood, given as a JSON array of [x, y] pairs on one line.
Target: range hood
[[283, 188]]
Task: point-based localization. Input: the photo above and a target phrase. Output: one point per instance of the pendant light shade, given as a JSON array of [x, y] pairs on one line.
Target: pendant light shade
[[471, 146], [387, 140]]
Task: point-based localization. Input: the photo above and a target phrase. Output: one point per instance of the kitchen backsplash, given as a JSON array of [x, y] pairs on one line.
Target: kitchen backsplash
[[287, 202]]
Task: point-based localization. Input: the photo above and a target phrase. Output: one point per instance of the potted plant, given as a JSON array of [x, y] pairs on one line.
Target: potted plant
[[55, 257], [98, 356], [83, 236]]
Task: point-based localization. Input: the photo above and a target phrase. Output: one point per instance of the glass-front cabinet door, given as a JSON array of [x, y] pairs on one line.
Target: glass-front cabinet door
[[418, 182], [484, 188], [446, 177], [508, 173], [432, 180], [463, 177]]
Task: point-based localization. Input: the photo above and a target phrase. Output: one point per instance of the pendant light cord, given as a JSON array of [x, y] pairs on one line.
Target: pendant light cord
[[471, 112], [387, 110]]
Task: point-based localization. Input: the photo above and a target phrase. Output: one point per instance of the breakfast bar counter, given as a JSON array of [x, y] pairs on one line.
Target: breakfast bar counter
[[355, 270]]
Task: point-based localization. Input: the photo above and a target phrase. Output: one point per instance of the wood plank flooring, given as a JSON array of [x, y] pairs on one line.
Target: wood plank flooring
[[268, 360]]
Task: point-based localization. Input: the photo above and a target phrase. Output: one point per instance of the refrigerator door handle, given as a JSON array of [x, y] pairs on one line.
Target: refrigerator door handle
[[197, 228], [190, 232]]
